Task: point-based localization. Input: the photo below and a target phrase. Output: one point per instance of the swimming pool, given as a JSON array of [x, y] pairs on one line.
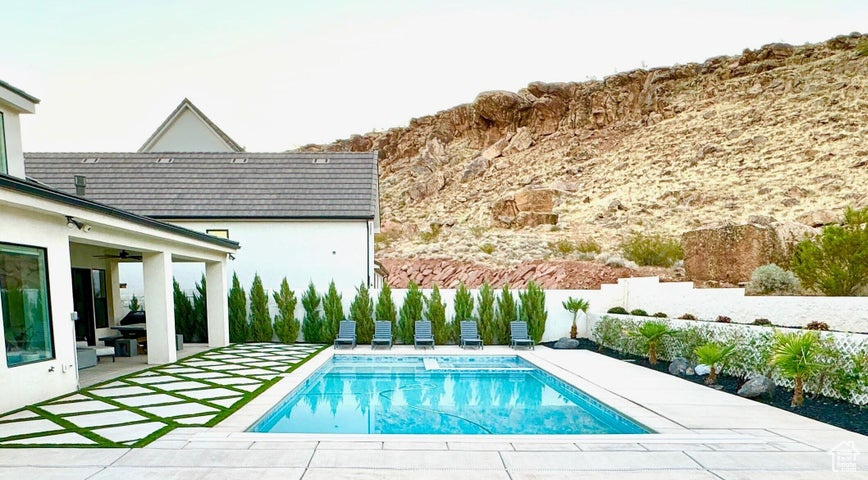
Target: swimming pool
[[439, 395]]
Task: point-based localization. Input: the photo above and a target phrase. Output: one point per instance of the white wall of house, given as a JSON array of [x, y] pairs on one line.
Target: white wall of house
[[188, 133], [301, 251], [32, 382], [12, 130]]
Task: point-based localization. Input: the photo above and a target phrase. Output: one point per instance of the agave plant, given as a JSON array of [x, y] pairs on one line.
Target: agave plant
[[574, 306], [651, 335], [713, 354], [798, 356]]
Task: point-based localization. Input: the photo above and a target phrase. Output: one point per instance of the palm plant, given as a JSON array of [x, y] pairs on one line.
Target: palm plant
[[574, 306], [713, 354], [798, 356], [651, 335]]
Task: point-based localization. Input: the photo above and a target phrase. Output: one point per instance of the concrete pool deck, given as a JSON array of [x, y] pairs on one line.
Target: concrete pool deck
[[704, 434]]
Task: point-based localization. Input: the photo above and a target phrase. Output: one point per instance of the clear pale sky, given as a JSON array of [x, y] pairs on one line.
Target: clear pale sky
[[278, 74]]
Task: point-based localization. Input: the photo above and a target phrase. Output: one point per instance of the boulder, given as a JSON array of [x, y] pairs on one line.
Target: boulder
[[820, 218], [476, 168], [504, 211], [426, 187], [565, 343], [702, 369], [496, 149], [732, 252], [759, 386], [533, 219], [679, 366], [535, 200], [521, 141], [500, 106]]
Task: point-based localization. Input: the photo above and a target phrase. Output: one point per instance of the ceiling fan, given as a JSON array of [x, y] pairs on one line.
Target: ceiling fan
[[123, 255]]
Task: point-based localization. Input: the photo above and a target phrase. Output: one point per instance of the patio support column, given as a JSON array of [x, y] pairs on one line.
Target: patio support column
[[218, 308], [113, 277], [159, 307]]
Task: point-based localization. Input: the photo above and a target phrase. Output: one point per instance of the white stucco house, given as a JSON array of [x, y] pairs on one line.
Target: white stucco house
[[59, 272], [309, 217]]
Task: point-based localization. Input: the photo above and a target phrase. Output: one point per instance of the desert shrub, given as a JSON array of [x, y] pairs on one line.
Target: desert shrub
[[183, 312], [772, 279], [506, 312], [487, 248], [485, 314], [862, 48], [638, 312], [463, 310], [618, 311], [435, 312], [237, 312], [607, 332], [687, 316], [312, 326], [286, 326], [651, 250], [333, 312], [411, 311], [432, 234], [362, 312], [386, 310], [562, 247], [817, 325], [260, 320], [477, 231], [533, 310], [723, 319], [660, 315], [762, 322], [836, 262], [385, 239], [588, 245]]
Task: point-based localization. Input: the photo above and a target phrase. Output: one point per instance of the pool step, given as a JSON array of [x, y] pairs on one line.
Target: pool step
[[430, 364]]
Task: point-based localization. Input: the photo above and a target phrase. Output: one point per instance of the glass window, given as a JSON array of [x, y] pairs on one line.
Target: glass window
[[222, 233], [24, 302], [100, 303], [3, 168]]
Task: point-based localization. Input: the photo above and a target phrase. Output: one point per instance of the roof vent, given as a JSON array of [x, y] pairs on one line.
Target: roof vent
[[320, 161], [90, 160], [165, 160], [239, 160]]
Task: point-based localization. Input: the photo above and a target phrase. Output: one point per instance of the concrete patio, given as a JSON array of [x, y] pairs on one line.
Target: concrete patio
[[704, 434]]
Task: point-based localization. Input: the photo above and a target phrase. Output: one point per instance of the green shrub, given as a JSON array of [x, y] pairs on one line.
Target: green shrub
[[183, 312], [260, 320], [286, 326], [362, 312], [411, 311], [237, 312], [588, 246], [463, 310], [762, 322], [607, 332], [435, 312], [200, 312], [134, 305], [816, 325], [651, 250], [836, 262], [618, 311], [386, 310], [862, 48], [723, 319], [638, 312], [688, 316], [850, 379], [333, 312], [772, 279], [432, 234], [533, 310], [312, 326], [485, 314], [506, 313], [688, 339], [487, 248], [562, 247], [660, 315]]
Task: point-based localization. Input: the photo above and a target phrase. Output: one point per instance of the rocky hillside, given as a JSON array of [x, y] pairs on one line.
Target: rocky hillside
[[778, 131]]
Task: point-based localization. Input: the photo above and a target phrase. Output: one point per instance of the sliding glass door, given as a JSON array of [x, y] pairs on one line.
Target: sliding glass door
[[24, 298]]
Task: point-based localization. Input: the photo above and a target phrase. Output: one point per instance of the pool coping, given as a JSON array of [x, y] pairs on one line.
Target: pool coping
[[664, 430]]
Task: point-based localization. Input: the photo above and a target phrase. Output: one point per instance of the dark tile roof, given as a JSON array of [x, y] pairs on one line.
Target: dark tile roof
[[220, 185], [177, 111], [36, 189]]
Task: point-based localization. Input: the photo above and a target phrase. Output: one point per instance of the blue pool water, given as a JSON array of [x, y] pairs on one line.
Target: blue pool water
[[439, 395]]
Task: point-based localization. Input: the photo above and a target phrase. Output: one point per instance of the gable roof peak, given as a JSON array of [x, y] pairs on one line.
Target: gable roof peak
[[187, 104]]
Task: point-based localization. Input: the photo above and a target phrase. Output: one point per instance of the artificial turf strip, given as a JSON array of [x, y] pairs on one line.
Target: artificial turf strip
[[219, 413]]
